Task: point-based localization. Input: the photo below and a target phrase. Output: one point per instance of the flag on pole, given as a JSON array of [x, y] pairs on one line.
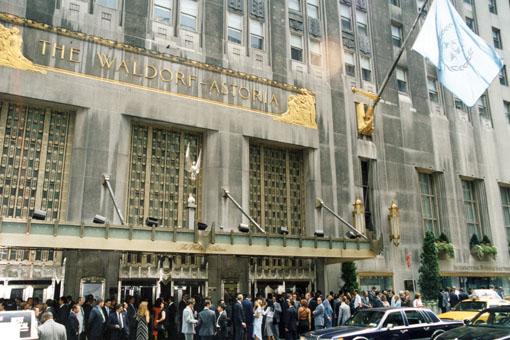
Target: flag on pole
[[466, 64]]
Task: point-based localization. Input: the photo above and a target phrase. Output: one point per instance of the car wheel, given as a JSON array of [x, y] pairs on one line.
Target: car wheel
[[437, 334]]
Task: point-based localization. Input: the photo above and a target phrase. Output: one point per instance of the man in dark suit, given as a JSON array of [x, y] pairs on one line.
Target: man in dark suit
[[238, 318], [206, 322], [290, 321], [131, 317], [454, 298], [248, 314], [73, 325], [171, 319], [62, 311], [117, 324], [96, 322], [221, 323]]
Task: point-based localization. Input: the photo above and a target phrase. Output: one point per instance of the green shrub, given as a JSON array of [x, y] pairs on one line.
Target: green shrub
[[445, 247]]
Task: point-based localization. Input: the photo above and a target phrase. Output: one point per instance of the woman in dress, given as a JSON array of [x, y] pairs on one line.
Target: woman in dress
[[159, 318], [142, 318], [269, 326], [417, 303], [258, 314]]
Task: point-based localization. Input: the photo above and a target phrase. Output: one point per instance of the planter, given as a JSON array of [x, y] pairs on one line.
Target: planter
[[445, 250], [484, 252]]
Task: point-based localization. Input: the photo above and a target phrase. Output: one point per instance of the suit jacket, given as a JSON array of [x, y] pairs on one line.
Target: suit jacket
[[96, 323], [51, 330], [171, 316], [62, 314], [248, 311], [188, 321], [206, 322], [238, 315], [73, 327], [222, 326], [291, 319], [131, 316], [318, 315], [115, 320]]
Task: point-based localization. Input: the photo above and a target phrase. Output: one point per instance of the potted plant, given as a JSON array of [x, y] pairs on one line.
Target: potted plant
[[482, 250], [444, 247]]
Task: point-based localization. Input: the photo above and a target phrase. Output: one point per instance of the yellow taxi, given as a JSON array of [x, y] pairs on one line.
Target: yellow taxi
[[468, 308]]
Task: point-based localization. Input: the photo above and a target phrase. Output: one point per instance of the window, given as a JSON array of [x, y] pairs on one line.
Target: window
[[483, 107], [505, 203], [459, 105], [315, 53], [470, 22], [350, 64], [419, 5], [366, 184], [345, 17], [395, 2], [394, 319], [414, 317], [256, 34], [503, 79], [496, 37], [296, 47], [506, 108], [471, 208], [493, 8], [189, 13], [402, 80], [396, 35], [235, 28], [107, 3], [432, 88], [35, 151], [163, 11], [429, 203], [366, 69], [295, 5], [361, 22], [157, 182], [277, 188], [312, 8]]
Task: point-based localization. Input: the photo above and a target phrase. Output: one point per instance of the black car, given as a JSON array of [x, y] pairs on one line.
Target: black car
[[388, 323], [490, 324]]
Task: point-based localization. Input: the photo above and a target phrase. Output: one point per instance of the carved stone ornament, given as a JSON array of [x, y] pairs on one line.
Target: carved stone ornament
[[394, 221], [11, 47], [300, 110]]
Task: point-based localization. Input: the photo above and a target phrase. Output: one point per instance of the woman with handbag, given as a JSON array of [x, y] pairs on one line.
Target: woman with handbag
[[159, 320]]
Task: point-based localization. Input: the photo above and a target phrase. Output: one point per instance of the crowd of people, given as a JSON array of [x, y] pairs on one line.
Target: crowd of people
[[278, 316]]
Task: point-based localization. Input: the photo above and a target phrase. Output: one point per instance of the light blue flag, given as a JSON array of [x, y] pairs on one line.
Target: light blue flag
[[466, 65]]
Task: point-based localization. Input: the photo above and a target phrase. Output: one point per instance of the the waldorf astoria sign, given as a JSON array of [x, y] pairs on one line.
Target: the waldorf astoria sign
[[49, 49]]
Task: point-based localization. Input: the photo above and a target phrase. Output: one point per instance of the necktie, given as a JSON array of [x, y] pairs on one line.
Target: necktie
[[120, 320]]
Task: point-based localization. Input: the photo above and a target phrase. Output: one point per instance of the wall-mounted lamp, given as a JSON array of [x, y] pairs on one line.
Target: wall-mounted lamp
[[152, 222], [39, 214], [98, 219], [358, 215], [202, 226], [243, 227]]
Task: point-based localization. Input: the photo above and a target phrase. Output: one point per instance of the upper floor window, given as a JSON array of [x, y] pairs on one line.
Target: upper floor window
[[295, 5], [35, 155], [472, 208], [366, 68], [312, 8], [503, 79], [506, 108], [107, 3], [368, 192], [350, 64], [493, 8], [432, 88], [163, 11], [396, 35], [470, 22], [277, 188], [395, 2], [429, 203], [346, 17], [459, 105], [361, 23], [505, 203], [235, 28], [496, 37], [315, 52], [483, 107], [256, 34], [402, 80], [296, 47], [189, 14]]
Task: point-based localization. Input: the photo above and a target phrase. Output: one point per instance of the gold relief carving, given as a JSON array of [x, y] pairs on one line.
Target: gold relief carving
[[11, 46], [365, 115], [300, 110]]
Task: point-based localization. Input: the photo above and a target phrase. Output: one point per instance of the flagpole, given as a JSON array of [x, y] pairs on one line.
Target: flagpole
[[377, 97]]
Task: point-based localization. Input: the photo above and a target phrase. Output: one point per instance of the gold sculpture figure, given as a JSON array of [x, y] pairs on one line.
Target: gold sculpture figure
[[300, 110], [365, 116], [11, 47]]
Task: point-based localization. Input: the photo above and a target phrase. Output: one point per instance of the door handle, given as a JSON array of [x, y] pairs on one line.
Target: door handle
[[403, 331], [426, 328]]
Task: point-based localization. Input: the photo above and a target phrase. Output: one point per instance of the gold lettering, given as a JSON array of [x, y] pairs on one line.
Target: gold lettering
[[246, 94], [154, 72], [134, 70], [257, 95], [180, 78], [233, 88], [162, 76], [273, 100], [105, 60], [56, 47], [224, 89], [74, 51], [191, 78], [124, 65], [43, 47], [214, 85]]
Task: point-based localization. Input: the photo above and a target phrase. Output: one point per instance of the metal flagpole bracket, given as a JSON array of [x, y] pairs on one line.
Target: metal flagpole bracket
[[106, 183], [227, 195], [319, 204]]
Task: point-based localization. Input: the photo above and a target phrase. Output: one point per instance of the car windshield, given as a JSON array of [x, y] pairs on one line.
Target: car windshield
[[365, 318], [471, 306], [495, 319]]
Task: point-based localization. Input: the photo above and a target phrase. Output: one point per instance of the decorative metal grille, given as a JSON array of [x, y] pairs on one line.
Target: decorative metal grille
[[276, 188], [159, 185], [35, 153]]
